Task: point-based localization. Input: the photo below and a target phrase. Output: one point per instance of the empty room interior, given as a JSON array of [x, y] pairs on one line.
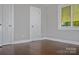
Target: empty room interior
[[39, 29]]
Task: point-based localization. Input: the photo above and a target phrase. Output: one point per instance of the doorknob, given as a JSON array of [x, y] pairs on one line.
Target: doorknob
[[0, 24], [32, 26], [10, 25]]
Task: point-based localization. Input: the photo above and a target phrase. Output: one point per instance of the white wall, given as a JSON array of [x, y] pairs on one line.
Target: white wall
[[49, 23], [21, 21], [52, 26]]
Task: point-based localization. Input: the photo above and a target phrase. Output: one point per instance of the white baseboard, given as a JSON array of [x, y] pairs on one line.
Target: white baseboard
[[48, 38], [61, 40], [0, 44], [22, 41]]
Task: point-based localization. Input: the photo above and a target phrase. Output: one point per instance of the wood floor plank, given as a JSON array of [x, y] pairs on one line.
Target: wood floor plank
[[40, 47]]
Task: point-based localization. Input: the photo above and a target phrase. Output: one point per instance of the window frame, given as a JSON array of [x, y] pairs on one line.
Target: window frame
[[60, 27]]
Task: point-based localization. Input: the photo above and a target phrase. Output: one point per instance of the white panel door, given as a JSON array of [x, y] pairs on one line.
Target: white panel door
[[8, 28], [0, 25], [8, 24], [35, 23]]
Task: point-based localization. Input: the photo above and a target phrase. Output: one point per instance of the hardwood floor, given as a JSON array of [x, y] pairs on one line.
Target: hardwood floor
[[41, 47]]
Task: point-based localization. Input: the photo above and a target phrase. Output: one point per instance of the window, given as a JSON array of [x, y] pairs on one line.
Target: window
[[69, 17], [75, 15], [66, 16]]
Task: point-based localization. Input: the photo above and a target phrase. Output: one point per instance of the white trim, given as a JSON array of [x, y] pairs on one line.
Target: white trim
[[0, 44], [22, 41], [47, 38], [61, 40]]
